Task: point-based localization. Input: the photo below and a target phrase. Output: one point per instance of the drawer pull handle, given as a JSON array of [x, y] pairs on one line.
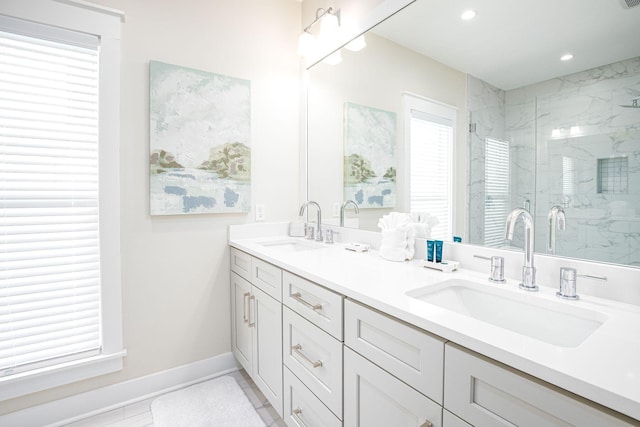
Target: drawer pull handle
[[244, 307], [297, 414], [427, 423], [298, 297], [298, 349], [251, 324]]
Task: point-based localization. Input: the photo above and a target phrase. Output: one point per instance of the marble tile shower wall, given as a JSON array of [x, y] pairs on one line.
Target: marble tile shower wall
[[577, 121], [581, 129]]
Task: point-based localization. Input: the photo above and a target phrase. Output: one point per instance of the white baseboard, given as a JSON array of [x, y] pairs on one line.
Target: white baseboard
[[94, 402]]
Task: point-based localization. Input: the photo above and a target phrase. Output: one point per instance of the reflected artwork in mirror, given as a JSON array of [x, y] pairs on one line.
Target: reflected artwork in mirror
[[532, 131]]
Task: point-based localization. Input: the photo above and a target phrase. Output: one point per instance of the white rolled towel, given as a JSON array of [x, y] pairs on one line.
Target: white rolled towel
[[398, 244], [393, 254]]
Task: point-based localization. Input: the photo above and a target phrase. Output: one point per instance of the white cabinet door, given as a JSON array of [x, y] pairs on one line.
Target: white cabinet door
[[240, 330], [485, 393], [410, 354], [266, 316], [375, 398]]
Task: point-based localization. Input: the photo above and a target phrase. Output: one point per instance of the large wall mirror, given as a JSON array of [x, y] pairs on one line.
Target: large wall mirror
[[530, 130]]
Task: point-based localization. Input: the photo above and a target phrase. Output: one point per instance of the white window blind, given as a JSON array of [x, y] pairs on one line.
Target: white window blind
[[49, 221], [430, 180], [496, 190], [568, 176]]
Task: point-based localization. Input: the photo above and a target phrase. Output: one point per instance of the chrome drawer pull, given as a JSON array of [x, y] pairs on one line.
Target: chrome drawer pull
[[251, 324], [244, 306], [297, 348], [297, 414], [298, 297], [427, 423]]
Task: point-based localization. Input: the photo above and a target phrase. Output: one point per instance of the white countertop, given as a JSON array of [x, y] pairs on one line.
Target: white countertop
[[604, 368]]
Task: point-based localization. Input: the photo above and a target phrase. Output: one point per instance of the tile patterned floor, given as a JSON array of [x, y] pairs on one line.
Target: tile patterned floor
[[139, 414]]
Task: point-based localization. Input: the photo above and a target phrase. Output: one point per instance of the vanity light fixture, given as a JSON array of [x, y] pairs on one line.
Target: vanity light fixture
[[566, 57], [329, 30], [468, 15]]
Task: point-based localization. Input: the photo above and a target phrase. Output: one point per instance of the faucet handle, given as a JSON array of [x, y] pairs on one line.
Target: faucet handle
[[568, 282], [497, 268], [329, 235], [308, 231]]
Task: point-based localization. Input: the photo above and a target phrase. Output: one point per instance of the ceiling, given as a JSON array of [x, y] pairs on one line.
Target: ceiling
[[513, 43]]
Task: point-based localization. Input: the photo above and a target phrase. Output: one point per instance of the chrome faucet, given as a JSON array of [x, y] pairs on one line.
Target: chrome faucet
[[317, 206], [557, 220], [344, 205], [528, 270]]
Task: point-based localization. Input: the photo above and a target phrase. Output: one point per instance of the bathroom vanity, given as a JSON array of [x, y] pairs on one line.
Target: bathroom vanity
[[334, 337]]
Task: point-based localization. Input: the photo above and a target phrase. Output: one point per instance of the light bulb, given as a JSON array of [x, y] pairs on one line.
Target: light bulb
[[306, 44], [329, 31]]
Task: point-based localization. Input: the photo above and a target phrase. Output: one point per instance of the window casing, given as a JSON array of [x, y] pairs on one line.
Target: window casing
[[429, 152], [59, 182]]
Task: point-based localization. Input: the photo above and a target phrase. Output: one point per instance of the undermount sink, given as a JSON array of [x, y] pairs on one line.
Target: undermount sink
[[553, 322], [292, 245]]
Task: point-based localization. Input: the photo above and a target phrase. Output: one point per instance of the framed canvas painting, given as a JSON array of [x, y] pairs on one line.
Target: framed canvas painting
[[369, 156], [200, 141]]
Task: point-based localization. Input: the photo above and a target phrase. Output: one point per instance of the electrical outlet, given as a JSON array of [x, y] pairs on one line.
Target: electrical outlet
[[260, 213], [336, 209]]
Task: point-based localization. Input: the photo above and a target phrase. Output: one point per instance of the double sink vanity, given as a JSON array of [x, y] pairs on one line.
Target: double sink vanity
[[335, 337]]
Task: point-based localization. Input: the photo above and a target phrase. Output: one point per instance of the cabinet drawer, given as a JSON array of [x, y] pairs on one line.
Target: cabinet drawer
[[375, 398], [315, 357], [318, 305], [410, 354], [241, 263], [302, 408], [267, 277], [486, 393]]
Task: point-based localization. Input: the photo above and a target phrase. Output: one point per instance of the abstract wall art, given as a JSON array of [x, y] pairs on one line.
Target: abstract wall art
[[200, 141]]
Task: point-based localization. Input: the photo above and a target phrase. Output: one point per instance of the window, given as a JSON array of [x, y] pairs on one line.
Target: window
[[59, 202], [429, 136], [496, 190], [568, 176]]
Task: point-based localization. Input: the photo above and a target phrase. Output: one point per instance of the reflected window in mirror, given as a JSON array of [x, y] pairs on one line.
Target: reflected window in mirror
[[429, 139], [497, 190]]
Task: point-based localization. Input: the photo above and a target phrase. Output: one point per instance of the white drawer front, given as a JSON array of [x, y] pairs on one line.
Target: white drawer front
[[267, 277], [375, 398], [302, 408], [485, 393], [241, 263], [320, 306], [315, 357], [412, 355]]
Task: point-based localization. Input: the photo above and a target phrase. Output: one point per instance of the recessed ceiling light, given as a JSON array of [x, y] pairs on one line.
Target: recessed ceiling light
[[468, 15], [566, 57]]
